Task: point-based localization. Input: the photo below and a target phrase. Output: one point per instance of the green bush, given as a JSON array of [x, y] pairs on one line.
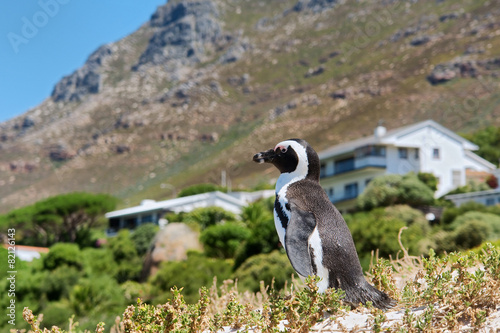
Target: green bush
[[222, 240], [95, 294], [263, 238], [379, 229], [207, 216], [99, 261], [63, 254], [57, 314], [191, 274], [59, 282], [493, 222], [264, 267], [450, 213], [126, 256], [390, 190], [200, 188], [428, 179], [471, 234], [143, 236]]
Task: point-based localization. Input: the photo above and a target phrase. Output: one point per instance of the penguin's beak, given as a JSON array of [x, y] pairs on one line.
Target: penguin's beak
[[265, 156]]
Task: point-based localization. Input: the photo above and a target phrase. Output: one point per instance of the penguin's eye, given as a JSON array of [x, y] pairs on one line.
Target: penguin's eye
[[283, 150]]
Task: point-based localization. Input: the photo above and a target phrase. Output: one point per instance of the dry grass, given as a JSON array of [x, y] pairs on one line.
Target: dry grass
[[455, 292]]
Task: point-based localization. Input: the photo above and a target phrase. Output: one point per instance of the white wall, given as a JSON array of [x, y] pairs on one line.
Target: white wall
[[451, 156]]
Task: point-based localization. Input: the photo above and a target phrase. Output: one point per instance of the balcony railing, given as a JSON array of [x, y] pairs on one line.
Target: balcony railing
[[356, 164]]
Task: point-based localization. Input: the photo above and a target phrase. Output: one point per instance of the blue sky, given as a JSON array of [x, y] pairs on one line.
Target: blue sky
[[43, 40]]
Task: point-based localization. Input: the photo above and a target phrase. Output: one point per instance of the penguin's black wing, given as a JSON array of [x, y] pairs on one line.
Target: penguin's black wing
[[300, 227]]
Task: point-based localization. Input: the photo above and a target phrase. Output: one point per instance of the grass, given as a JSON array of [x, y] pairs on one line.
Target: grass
[[454, 290]]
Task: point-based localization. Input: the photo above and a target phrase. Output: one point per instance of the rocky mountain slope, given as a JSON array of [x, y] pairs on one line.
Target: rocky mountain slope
[[204, 84]]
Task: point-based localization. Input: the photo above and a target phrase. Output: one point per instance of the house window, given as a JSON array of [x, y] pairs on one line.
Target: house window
[[417, 154], [322, 171], [344, 165], [456, 177], [435, 153], [330, 193], [351, 190], [370, 151], [403, 153], [147, 218], [490, 201], [367, 181]]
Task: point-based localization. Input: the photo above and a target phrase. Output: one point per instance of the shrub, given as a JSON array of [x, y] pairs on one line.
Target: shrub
[[493, 222], [450, 213], [263, 239], [390, 190], [428, 179], [191, 274], [200, 188], [142, 237], [63, 254], [471, 234], [205, 217], [222, 240], [264, 267]]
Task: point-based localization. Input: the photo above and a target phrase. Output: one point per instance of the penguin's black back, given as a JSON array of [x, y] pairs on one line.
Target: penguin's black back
[[339, 252]]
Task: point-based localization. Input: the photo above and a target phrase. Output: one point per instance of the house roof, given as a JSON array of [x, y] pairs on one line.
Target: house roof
[[391, 137], [470, 195], [479, 159], [148, 206]]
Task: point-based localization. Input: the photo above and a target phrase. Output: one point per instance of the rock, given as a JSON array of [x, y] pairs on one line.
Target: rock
[[85, 80], [59, 153], [120, 149], [27, 123], [462, 67], [420, 40], [315, 6], [315, 71], [449, 16], [170, 244], [183, 29], [235, 52]]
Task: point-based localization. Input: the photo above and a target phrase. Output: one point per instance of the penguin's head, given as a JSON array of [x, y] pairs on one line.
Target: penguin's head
[[292, 156]]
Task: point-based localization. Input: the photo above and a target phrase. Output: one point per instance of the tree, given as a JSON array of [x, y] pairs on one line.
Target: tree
[[142, 237], [259, 218], [59, 218], [191, 274], [428, 179], [222, 240], [205, 217], [200, 188], [264, 267], [394, 189], [63, 254], [488, 140]]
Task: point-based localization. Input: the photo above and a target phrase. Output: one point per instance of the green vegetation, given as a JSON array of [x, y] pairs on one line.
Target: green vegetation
[[200, 188], [96, 283], [454, 290], [63, 218], [488, 140], [395, 189]]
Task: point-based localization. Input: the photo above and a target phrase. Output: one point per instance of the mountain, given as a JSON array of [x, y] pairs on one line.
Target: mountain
[[204, 84]]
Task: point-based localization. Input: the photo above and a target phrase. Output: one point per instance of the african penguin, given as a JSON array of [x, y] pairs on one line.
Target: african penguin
[[310, 228]]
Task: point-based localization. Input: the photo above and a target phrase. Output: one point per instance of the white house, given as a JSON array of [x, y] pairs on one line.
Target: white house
[[347, 168], [487, 198], [151, 211]]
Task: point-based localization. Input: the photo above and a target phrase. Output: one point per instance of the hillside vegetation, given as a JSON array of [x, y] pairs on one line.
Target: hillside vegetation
[[204, 84]]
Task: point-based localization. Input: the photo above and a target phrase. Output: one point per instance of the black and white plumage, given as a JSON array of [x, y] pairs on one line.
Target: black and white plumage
[[310, 228]]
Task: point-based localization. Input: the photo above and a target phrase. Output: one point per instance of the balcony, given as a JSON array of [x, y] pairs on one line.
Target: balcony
[[353, 164]]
